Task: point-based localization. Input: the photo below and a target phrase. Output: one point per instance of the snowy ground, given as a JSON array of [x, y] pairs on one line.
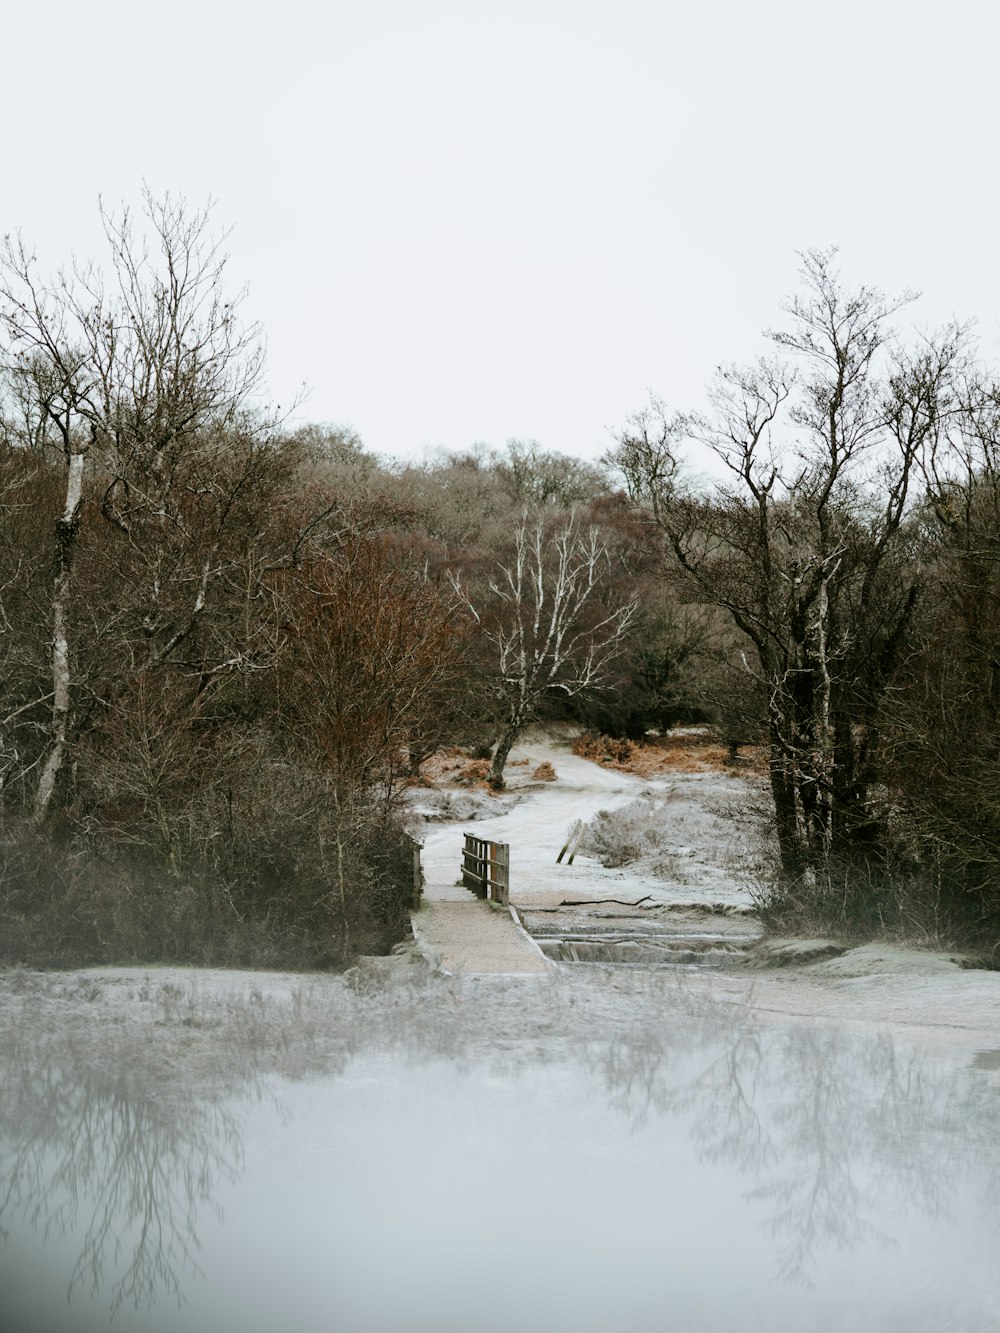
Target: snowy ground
[[708, 905], [921, 991], [710, 843]]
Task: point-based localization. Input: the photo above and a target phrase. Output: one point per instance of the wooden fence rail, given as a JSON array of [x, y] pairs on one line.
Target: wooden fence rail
[[486, 868]]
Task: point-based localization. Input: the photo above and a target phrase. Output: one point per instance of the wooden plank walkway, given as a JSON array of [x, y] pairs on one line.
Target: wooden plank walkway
[[475, 939], [463, 935]]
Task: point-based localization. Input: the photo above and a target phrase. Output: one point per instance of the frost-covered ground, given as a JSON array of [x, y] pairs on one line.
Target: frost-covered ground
[[799, 1149], [708, 815], [714, 835], [694, 868]]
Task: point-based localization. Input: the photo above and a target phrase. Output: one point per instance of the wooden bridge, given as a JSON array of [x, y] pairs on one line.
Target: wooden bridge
[[474, 932]]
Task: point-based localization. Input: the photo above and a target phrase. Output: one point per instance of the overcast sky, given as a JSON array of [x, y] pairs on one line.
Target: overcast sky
[[463, 221]]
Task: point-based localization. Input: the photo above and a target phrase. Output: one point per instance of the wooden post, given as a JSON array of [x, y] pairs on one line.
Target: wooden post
[[581, 829], [569, 840], [503, 871], [418, 875]]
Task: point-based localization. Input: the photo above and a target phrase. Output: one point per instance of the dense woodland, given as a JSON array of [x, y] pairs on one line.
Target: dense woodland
[[227, 643]]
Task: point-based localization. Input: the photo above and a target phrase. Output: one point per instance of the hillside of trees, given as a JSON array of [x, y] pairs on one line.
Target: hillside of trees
[[227, 642]]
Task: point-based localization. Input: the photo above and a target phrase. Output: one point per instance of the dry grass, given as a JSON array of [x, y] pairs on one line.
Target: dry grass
[[544, 772], [688, 750], [453, 767], [633, 832]]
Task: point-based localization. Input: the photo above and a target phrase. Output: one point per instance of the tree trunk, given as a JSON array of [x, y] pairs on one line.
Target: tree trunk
[[345, 942], [787, 823], [67, 528], [416, 754], [504, 746]]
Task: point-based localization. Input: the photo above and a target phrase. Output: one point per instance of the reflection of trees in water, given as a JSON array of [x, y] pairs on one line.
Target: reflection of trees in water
[[128, 1162], [832, 1130], [118, 1128], [123, 1132]]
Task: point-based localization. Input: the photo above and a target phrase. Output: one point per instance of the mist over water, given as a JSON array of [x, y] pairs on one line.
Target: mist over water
[[400, 1152]]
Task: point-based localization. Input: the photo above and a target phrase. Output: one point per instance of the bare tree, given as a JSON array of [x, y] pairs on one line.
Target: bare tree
[[943, 725], [809, 545], [121, 373], [549, 625]]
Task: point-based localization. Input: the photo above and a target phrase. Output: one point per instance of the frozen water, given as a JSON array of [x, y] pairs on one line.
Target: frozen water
[[396, 1151]]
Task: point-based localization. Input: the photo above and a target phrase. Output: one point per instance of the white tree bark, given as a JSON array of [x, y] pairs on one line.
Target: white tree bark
[[143, 372], [67, 527], [545, 639]]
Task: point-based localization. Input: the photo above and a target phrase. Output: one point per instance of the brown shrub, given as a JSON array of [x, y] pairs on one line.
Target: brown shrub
[[686, 751], [604, 749], [544, 772]]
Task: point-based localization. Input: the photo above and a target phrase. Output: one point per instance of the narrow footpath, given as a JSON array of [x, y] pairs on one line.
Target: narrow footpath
[[463, 935], [476, 939]]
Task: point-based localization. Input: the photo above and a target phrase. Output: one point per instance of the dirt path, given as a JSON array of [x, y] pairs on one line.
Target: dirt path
[[910, 989], [706, 843], [535, 828], [475, 938], [462, 935]]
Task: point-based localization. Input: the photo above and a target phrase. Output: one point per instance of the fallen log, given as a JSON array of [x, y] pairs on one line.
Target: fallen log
[[596, 902]]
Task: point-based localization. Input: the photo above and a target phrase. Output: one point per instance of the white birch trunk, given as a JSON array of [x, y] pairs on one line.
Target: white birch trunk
[[67, 526]]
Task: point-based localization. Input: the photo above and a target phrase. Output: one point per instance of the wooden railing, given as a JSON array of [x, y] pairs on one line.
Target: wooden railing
[[486, 868], [418, 875]]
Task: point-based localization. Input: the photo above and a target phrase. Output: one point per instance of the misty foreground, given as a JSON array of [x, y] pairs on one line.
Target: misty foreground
[[603, 1148]]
